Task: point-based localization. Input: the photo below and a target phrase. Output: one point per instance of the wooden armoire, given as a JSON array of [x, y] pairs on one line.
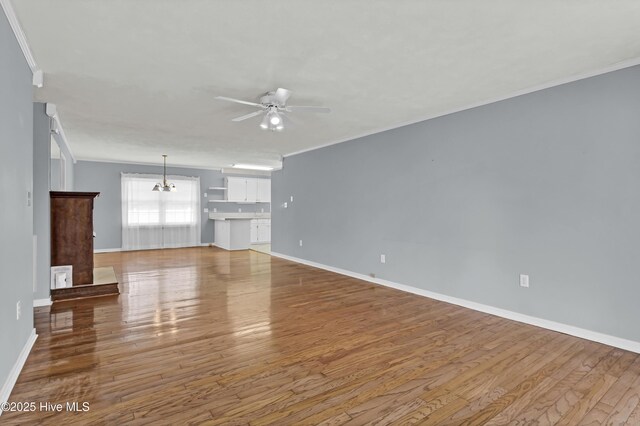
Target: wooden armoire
[[72, 233]]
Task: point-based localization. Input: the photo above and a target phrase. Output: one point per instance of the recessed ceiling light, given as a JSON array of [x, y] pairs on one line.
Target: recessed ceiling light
[[251, 167]]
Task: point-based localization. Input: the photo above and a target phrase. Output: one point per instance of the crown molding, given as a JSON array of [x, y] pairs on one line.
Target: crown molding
[[38, 75], [614, 67], [140, 163]]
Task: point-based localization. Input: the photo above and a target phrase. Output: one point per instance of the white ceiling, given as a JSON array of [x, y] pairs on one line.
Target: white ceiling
[[135, 79]]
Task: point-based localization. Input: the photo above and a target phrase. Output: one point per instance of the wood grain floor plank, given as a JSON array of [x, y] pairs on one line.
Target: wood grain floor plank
[[206, 336]]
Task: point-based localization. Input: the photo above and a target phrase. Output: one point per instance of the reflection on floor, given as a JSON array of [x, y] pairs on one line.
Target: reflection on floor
[[209, 336], [262, 248], [104, 275]]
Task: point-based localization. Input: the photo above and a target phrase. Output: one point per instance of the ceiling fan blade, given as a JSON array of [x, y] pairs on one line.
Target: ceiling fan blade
[[238, 101], [288, 121], [244, 117], [282, 95], [308, 108]]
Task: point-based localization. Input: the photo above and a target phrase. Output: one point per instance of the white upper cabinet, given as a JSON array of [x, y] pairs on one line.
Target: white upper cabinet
[[252, 190], [236, 189], [264, 190], [248, 190]]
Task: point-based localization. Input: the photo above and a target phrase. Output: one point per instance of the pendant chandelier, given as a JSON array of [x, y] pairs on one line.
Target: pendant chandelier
[[164, 186]]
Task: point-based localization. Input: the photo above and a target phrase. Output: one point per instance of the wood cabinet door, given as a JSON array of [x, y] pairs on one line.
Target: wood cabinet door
[[72, 233]]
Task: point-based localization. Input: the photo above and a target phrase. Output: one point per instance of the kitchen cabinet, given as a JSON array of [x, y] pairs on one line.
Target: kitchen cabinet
[[263, 190], [260, 231], [232, 234], [236, 189], [248, 190]]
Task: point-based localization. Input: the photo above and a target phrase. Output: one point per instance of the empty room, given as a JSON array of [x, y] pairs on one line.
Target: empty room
[[319, 213]]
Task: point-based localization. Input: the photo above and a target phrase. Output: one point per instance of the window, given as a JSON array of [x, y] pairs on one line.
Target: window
[[159, 219]]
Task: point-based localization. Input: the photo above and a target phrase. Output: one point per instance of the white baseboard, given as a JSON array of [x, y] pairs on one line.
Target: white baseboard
[[110, 250], [113, 250], [595, 336], [42, 302], [8, 385]]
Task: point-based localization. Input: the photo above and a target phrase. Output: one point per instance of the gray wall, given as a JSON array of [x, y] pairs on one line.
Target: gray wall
[[107, 216], [16, 220], [41, 185], [546, 184]]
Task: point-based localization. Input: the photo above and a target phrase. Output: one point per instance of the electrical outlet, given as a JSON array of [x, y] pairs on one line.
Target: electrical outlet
[[383, 258], [285, 205], [28, 198], [206, 210], [291, 198], [205, 195], [300, 243], [215, 210], [524, 280], [239, 210], [18, 310]]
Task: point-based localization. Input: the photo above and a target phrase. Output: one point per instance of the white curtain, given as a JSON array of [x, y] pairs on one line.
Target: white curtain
[[161, 219]]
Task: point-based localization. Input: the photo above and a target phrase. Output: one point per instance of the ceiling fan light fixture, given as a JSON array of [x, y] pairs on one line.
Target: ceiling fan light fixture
[[265, 122], [274, 106], [275, 119]]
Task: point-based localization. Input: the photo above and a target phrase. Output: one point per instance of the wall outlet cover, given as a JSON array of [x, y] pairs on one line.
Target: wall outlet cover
[[524, 280], [300, 243], [383, 258]]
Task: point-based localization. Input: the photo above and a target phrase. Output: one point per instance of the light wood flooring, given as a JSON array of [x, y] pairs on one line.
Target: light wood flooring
[[207, 336]]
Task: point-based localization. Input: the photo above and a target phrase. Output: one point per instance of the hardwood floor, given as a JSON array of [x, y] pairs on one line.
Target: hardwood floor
[[208, 336]]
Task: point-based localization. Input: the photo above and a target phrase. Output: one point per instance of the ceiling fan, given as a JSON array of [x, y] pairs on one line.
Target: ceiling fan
[[274, 106]]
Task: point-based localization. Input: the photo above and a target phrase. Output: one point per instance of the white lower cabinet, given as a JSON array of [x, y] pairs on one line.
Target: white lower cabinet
[[260, 230]]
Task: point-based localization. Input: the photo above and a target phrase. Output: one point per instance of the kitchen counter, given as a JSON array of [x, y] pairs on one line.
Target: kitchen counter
[[249, 215]]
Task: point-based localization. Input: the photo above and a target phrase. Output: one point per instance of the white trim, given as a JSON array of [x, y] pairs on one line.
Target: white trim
[[8, 385], [58, 131], [37, 74], [615, 67], [42, 302], [595, 336], [137, 163], [115, 250], [109, 250]]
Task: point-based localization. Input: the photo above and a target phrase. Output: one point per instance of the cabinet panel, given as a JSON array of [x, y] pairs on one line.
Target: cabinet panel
[[236, 189], [254, 231], [264, 190], [252, 189], [264, 233]]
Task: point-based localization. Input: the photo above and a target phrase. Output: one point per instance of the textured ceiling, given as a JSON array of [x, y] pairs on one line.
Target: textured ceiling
[[135, 79]]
